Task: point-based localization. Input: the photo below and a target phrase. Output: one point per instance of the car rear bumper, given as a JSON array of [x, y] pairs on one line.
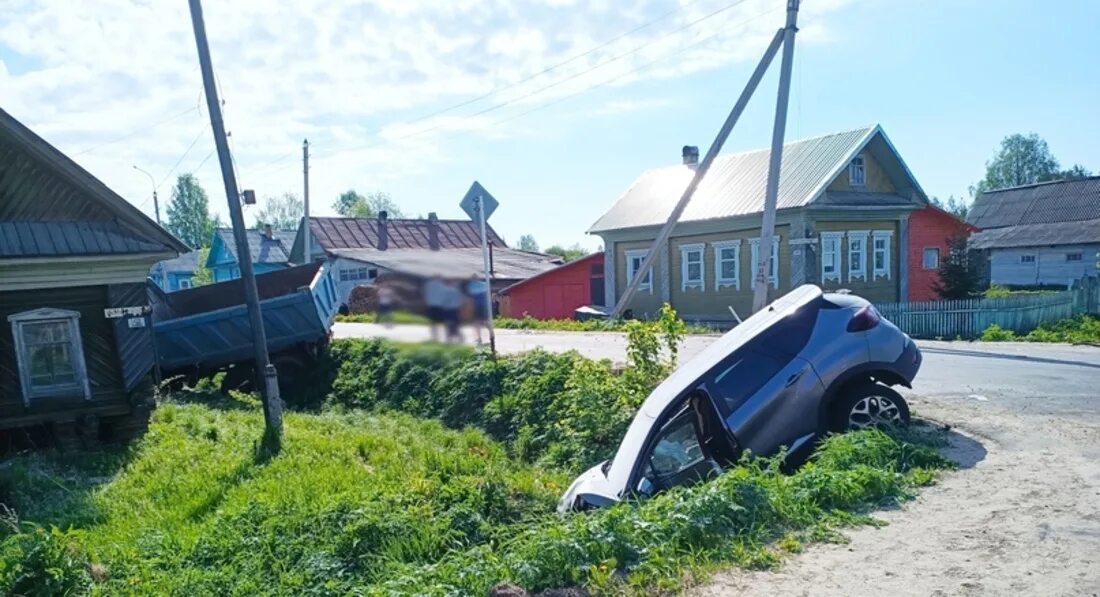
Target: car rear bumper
[[908, 364]]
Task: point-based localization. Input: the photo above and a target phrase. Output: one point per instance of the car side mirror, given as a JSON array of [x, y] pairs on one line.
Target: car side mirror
[[645, 486]]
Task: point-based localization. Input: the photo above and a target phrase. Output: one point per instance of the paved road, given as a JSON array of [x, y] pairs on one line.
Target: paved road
[[1031, 378]]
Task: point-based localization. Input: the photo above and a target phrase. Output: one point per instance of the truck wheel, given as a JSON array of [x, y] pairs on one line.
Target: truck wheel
[[869, 405]]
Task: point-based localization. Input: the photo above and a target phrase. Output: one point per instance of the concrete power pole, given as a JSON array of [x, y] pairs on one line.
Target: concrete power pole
[[156, 204], [273, 408], [307, 256], [771, 194]]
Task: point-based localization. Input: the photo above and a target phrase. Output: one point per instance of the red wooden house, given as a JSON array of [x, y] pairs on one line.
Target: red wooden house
[[930, 229], [555, 293]]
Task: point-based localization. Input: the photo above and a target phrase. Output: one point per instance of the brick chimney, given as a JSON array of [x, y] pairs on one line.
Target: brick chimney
[[691, 155], [383, 230], [433, 231]]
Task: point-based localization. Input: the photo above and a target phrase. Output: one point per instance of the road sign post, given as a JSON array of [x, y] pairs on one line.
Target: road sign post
[[479, 205]]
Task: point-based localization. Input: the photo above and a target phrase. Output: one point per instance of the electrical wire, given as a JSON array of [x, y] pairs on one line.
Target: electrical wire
[[136, 131], [182, 157]]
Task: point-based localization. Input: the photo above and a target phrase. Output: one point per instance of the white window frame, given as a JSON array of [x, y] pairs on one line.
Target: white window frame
[[861, 236], [685, 282], [773, 274], [884, 271], [185, 283], [857, 172], [719, 280], [836, 239], [924, 258], [80, 384], [646, 284]]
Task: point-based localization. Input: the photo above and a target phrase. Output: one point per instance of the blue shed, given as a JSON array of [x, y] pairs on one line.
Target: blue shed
[[270, 250]]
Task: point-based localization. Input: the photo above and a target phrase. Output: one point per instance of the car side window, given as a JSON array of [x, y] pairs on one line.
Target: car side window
[[676, 449], [789, 335], [740, 377]]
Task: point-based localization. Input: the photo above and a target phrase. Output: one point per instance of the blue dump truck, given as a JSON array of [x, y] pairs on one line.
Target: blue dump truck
[[205, 330]]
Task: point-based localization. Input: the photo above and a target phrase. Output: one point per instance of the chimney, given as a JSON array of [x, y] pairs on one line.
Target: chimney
[[691, 155], [433, 231], [383, 230], [268, 232]]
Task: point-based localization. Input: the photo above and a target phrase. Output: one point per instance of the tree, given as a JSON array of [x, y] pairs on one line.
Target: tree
[[568, 254], [528, 243], [954, 205], [958, 275], [189, 213], [202, 275], [351, 204], [281, 213], [1076, 172], [1021, 160]]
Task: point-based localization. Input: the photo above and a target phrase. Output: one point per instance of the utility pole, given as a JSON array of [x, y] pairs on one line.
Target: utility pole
[[156, 205], [700, 172], [488, 274], [273, 408], [771, 191], [306, 252]]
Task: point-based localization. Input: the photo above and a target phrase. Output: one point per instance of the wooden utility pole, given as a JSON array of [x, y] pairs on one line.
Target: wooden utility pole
[[307, 256], [269, 389], [771, 191]]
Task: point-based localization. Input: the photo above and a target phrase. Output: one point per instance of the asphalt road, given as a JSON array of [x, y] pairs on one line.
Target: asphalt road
[[1056, 379]]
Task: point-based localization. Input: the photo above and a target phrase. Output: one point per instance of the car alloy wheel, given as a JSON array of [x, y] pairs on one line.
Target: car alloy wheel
[[874, 411]]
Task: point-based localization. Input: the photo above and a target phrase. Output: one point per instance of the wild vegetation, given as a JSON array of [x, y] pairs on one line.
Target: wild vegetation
[[1083, 329], [419, 469]]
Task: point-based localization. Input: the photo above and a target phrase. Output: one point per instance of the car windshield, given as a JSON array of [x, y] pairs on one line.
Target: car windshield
[[677, 449]]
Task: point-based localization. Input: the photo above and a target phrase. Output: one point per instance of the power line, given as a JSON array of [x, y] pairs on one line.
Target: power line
[[136, 131], [182, 157]]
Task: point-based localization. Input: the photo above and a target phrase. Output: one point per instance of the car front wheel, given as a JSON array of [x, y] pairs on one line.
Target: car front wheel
[[870, 405]]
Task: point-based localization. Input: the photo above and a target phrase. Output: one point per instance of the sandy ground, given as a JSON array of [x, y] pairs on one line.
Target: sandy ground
[[1020, 517]]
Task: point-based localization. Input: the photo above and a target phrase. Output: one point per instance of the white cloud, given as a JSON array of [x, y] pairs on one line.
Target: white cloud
[[346, 75]]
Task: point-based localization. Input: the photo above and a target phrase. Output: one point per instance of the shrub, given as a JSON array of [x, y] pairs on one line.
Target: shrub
[[995, 333]]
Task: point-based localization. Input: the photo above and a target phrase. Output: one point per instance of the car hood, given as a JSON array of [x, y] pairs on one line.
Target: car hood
[[593, 485]]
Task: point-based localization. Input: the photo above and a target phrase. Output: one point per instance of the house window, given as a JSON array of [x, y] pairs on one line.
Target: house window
[[773, 271], [727, 264], [857, 254], [1027, 259], [634, 259], [49, 354], [830, 255], [857, 176], [185, 283], [355, 274], [1074, 256], [691, 266], [881, 254], [931, 258]]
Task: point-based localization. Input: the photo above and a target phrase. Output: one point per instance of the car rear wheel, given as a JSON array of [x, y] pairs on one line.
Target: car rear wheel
[[870, 405]]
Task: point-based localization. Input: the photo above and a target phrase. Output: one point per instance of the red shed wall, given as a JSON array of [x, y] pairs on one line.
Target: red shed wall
[[929, 227], [554, 294]]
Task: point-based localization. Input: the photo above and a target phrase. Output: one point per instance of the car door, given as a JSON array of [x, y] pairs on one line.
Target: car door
[[676, 457]]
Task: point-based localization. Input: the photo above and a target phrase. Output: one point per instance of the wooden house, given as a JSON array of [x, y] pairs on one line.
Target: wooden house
[[74, 256]]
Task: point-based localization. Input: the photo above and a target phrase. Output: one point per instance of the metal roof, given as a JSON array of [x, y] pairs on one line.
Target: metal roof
[[1038, 235], [508, 264], [585, 261], [735, 184], [60, 239], [185, 263], [363, 233], [1041, 203], [262, 250]]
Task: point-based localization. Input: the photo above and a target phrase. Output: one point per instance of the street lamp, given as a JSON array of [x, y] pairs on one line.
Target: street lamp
[[156, 205]]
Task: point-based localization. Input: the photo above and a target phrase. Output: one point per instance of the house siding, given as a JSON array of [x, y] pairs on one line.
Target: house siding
[[1050, 266], [555, 294], [928, 228], [876, 179], [644, 303], [881, 290]]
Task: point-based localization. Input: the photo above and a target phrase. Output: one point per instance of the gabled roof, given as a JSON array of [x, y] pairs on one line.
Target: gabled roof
[[581, 262], [1040, 203], [734, 185], [186, 263], [44, 189], [1082, 232], [508, 264], [402, 233], [262, 249]]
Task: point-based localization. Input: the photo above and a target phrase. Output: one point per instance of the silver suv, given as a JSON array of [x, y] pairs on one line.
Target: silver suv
[[806, 365]]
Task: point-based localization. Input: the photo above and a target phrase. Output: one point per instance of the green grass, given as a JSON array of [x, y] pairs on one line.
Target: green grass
[[1083, 329], [398, 317], [589, 325]]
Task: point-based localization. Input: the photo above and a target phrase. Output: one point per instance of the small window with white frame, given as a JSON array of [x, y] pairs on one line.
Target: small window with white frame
[[857, 174], [773, 271], [634, 259], [185, 283], [49, 354], [1028, 258], [881, 253], [691, 266], [931, 258], [830, 256], [727, 264], [857, 254]]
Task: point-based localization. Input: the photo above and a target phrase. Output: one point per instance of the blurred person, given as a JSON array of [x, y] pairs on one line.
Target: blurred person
[[478, 291], [453, 300], [386, 299], [435, 301]]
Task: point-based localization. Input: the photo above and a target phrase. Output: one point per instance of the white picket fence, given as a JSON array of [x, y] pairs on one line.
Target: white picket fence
[[968, 318]]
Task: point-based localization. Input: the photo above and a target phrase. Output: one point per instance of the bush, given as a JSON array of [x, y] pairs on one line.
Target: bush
[[995, 333], [1083, 329]]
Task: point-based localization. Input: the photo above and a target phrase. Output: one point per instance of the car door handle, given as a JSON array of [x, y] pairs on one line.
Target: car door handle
[[793, 378]]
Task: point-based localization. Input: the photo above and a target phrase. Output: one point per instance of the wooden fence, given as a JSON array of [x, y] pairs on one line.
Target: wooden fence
[[968, 318]]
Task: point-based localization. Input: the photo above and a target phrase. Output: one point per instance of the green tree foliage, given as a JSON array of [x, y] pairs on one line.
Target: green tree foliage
[[1022, 160], [527, 242], [958, 275], [189, 213], [283, 212], [203, 275], [1076, 172], [352, 204], [567, 253], [953, 205]]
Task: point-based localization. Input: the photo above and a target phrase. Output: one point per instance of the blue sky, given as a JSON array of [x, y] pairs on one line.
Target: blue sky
[[946, 79]]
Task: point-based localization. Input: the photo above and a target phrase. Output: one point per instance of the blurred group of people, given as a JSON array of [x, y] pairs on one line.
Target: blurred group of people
[[445, 300]]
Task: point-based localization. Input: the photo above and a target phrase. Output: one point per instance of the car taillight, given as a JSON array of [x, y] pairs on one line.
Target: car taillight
[[864, 319]]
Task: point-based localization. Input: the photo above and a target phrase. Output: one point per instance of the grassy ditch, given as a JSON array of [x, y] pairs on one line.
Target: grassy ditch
[[1083, 329], [590, 325]]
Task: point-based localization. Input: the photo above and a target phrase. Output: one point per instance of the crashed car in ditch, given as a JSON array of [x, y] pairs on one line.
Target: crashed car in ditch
[[806, 365]]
